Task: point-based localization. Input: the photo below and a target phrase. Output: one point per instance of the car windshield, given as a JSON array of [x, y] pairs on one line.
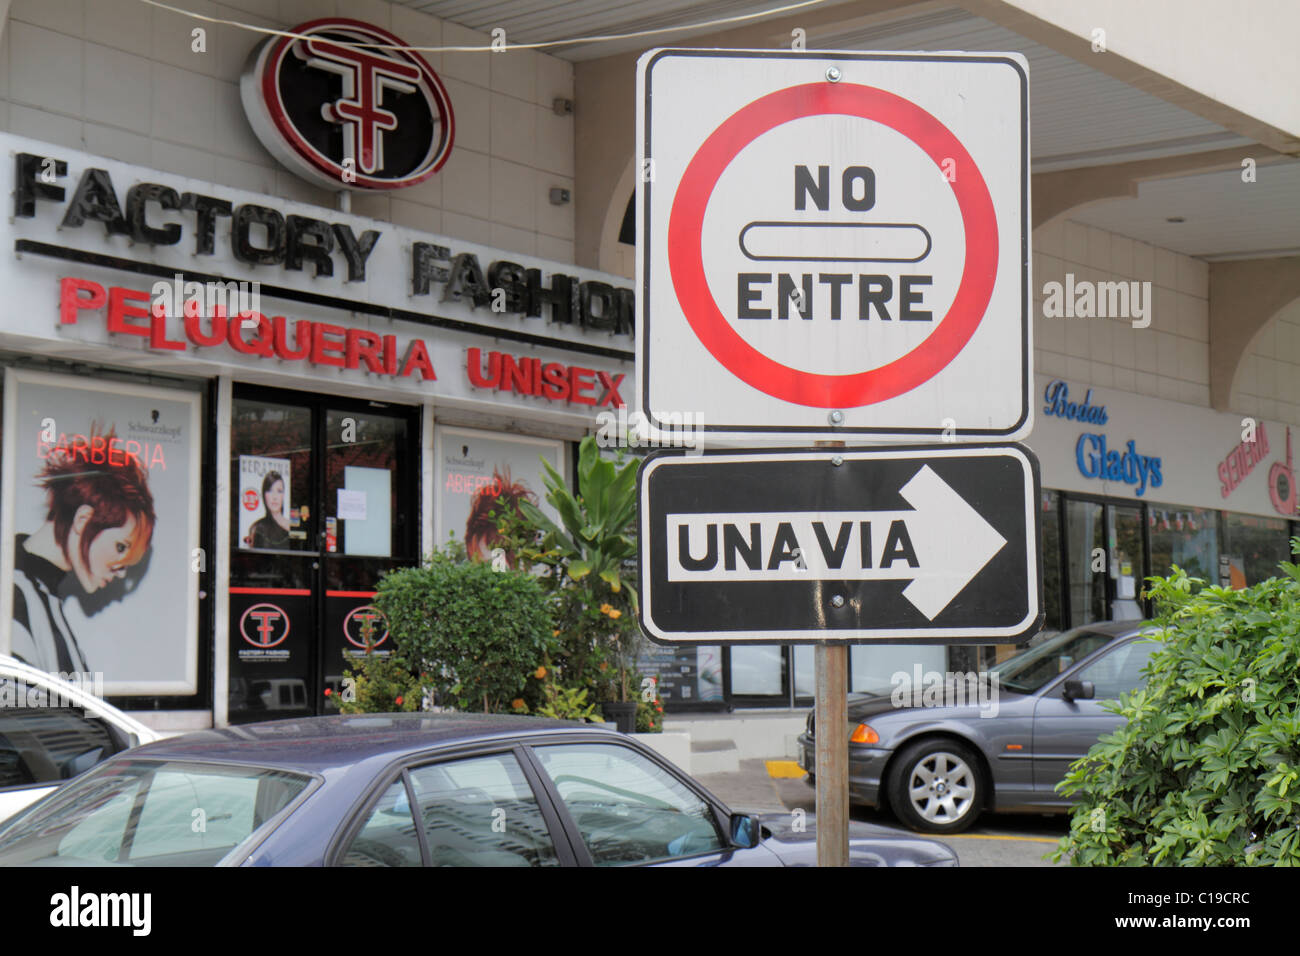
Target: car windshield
[[1032, 668], [149, 813]]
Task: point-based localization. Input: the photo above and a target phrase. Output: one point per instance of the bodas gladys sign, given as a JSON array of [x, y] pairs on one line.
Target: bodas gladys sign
[[340, 103], [95, 239], [1119, 444]]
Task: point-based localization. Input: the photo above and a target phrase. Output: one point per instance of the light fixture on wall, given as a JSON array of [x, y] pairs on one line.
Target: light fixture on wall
[[559, 196]]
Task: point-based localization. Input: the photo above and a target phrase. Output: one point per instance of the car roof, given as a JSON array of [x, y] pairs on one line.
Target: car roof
[[1118, 628], [316, 744]]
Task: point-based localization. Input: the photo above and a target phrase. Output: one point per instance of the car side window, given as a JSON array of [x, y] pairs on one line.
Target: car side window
[[1120, 671], [186, 812], [481, 811], [40, 745], [388, 837], [627, 808]]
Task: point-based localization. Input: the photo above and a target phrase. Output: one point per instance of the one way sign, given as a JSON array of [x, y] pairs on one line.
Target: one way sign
[[934, 543]]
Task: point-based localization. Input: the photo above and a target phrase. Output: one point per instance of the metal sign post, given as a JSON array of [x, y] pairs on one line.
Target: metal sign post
[[830, 721], [832, 726]]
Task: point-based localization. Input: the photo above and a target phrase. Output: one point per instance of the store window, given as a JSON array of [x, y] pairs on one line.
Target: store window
[[1186, 537], [805, 671], [873, 667], [1050, 518], [1086, 562], [1126, 557], [759, 671], [1252, 548], [685, 675]]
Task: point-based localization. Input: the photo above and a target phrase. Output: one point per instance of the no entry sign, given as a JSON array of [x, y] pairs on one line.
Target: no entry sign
[[834, 245], [930, 543]]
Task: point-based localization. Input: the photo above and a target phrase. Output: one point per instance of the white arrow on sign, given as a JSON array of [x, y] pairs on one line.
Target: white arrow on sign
[[940, 546]]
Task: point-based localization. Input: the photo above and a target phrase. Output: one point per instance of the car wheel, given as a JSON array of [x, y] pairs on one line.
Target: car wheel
[[935, 786]]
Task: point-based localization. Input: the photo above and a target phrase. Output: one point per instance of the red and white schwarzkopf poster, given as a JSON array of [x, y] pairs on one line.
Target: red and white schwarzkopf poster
[[101, 500]]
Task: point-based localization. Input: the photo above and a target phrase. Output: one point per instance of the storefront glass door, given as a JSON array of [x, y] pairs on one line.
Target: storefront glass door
[[1124, 536], [1105, 561], [324, 501], [1086, 564]]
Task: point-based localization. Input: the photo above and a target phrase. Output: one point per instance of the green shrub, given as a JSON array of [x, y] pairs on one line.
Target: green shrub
[[566, 703], [649, 707], [1206, 771], [477, 633], [380, 685]]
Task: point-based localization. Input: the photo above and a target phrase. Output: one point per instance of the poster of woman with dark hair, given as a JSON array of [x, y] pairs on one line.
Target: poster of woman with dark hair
[[264, 502], [271, 530], [102, 480]]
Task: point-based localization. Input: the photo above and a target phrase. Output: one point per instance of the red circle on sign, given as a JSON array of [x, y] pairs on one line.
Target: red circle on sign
[[251, 501], [686, 254]]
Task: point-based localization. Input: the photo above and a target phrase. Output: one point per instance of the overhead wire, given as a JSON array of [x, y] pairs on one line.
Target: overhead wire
[[538, 45]]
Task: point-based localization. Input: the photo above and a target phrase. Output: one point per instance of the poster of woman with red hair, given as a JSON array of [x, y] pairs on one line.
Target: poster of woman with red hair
[[102, 481], [481, 474]]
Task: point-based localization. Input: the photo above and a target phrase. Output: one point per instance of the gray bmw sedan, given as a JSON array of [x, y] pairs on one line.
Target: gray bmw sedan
[[939, 749]]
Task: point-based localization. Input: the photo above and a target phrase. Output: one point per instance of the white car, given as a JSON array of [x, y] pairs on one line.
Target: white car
[[51, 730]]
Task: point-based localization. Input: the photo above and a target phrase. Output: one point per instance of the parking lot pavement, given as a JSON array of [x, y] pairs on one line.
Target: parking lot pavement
[[996, 840]]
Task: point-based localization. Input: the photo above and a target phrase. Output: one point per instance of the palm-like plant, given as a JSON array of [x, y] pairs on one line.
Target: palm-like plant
[[592, 539]]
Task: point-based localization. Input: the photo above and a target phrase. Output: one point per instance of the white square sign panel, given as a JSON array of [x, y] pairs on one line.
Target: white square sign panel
[[834, 245]]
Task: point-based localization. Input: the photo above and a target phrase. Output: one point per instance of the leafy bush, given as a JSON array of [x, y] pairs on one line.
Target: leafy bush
[[565, 703], [1206, 771], [380, 685], [477, 633]]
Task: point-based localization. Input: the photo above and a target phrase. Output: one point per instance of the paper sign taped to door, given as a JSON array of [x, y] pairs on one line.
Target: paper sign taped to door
[[352, 505]]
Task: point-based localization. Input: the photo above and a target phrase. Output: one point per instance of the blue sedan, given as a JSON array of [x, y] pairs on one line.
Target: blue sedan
[[404, 790]]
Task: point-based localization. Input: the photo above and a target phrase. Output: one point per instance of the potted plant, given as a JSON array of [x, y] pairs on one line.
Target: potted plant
[[586, 554]]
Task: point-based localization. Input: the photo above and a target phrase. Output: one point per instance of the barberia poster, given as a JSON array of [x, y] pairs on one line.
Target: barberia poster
[[478, 470], [101, 493]]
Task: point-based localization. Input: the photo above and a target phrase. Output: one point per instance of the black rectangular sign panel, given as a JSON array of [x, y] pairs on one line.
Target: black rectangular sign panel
[[932, 544]]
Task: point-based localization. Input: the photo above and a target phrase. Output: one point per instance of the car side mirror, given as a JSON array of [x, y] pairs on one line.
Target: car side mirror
[[744, 831], [1078, 690]]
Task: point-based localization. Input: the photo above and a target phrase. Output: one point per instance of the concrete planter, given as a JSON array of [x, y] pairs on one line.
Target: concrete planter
[[675, 747]]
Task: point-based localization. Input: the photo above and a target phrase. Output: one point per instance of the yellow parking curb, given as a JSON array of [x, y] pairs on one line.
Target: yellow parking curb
[[785, 769], [995, 836]]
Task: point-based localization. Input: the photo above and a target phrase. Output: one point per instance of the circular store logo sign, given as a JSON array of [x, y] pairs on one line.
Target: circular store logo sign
[[264, 625], [365, 627], [337, 108]]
